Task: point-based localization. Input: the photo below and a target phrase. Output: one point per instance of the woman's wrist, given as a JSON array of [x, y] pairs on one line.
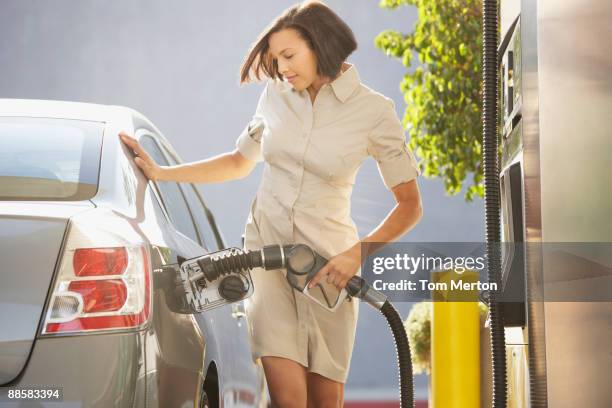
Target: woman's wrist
[[356, 250], [163, 173]]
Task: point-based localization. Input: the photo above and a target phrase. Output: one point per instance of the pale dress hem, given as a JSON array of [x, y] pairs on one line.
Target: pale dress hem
[[335, 375]]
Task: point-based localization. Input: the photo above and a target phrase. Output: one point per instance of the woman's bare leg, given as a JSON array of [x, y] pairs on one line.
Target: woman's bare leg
[[286, 382], [324, 392]]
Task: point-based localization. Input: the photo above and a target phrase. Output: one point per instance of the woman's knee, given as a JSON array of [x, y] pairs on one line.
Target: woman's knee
[[324, 392], [324, 401], [286, 399], [286, 382]]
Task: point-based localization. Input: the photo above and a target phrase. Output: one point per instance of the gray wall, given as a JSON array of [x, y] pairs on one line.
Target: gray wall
[[178, 62]]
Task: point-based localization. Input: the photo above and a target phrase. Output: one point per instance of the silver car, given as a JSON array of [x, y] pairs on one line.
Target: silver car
[[89, 252]]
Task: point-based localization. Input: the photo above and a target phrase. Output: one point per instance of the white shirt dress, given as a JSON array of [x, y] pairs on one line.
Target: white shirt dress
[[311, 154]]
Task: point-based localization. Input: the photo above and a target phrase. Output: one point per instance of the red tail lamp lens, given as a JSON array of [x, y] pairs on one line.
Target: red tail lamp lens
[[99, 261], [100, 295]]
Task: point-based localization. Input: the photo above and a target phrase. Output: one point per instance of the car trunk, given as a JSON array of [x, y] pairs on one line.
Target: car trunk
[[31, 235]]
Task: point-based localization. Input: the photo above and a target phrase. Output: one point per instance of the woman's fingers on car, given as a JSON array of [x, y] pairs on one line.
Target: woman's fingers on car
[[126, 138], [132, 143], [142, 159], [146, 166]]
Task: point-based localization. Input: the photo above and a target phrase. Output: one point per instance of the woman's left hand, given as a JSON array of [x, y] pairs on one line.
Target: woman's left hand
[[340, 269]]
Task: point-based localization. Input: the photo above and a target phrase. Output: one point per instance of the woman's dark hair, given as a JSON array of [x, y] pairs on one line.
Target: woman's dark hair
[[330, 38]]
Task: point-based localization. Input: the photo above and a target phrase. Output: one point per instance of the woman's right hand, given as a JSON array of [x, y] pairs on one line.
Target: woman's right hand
[[148, 166]]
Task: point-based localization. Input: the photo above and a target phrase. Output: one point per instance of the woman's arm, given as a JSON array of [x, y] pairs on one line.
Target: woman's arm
[[223, 167], [402, 218]]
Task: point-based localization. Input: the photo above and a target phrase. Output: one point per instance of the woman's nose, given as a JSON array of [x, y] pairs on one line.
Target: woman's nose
[[283, 68]]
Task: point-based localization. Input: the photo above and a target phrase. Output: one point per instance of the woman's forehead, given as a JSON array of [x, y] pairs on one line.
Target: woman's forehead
[[285, 39]]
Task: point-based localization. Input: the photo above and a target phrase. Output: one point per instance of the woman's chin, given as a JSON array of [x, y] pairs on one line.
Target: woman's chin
[[295, 86]]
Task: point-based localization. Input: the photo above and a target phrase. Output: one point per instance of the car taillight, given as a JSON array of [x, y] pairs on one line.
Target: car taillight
[[99, 288], [100, 295], [99, 261]]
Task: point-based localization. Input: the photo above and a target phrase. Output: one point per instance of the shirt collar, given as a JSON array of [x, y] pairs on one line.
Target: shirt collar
[[346, 83], [343, 86]]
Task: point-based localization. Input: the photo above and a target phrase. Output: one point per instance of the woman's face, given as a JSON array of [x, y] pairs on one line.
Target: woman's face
[[297, 63]]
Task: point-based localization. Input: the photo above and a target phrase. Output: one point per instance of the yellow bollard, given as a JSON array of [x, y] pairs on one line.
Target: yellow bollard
[[455, 344]]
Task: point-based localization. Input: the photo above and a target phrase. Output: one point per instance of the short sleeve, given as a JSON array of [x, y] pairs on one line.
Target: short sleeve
[[387, 144], [249, 141]]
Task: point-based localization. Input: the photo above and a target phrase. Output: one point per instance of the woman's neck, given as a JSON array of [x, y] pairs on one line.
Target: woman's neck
[[316, 85]]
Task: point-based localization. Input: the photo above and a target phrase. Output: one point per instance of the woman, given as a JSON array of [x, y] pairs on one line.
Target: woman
[[319, 123]]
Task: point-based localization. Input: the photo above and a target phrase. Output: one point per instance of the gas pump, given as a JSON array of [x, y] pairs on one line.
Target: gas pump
[[554, 60]]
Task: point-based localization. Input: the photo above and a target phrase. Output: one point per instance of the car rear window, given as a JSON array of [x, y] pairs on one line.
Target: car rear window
[[49, 159]]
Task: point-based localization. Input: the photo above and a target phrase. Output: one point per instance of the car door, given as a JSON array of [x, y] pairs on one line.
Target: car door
[[176, 347], [241, 377], [239, 349], [228, 341], [173, 202]]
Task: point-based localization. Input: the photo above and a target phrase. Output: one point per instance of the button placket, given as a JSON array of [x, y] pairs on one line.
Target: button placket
[[298, 175], [308, 118]]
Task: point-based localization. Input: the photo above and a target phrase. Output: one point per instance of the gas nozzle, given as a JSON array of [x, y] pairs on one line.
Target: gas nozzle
[[300, 261], [207, 284], [222, 263]]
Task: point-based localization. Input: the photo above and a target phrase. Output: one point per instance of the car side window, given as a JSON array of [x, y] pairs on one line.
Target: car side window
[[171, 194], [200, 216]]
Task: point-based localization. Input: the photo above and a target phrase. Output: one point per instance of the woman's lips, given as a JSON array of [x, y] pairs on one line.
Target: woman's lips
[[291, 78]]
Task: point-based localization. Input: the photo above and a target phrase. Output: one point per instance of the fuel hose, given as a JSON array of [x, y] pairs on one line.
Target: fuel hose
[[490, 14], [358, 287]]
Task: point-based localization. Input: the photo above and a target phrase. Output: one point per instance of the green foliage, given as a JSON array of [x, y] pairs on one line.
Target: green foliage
[[443, 91]]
